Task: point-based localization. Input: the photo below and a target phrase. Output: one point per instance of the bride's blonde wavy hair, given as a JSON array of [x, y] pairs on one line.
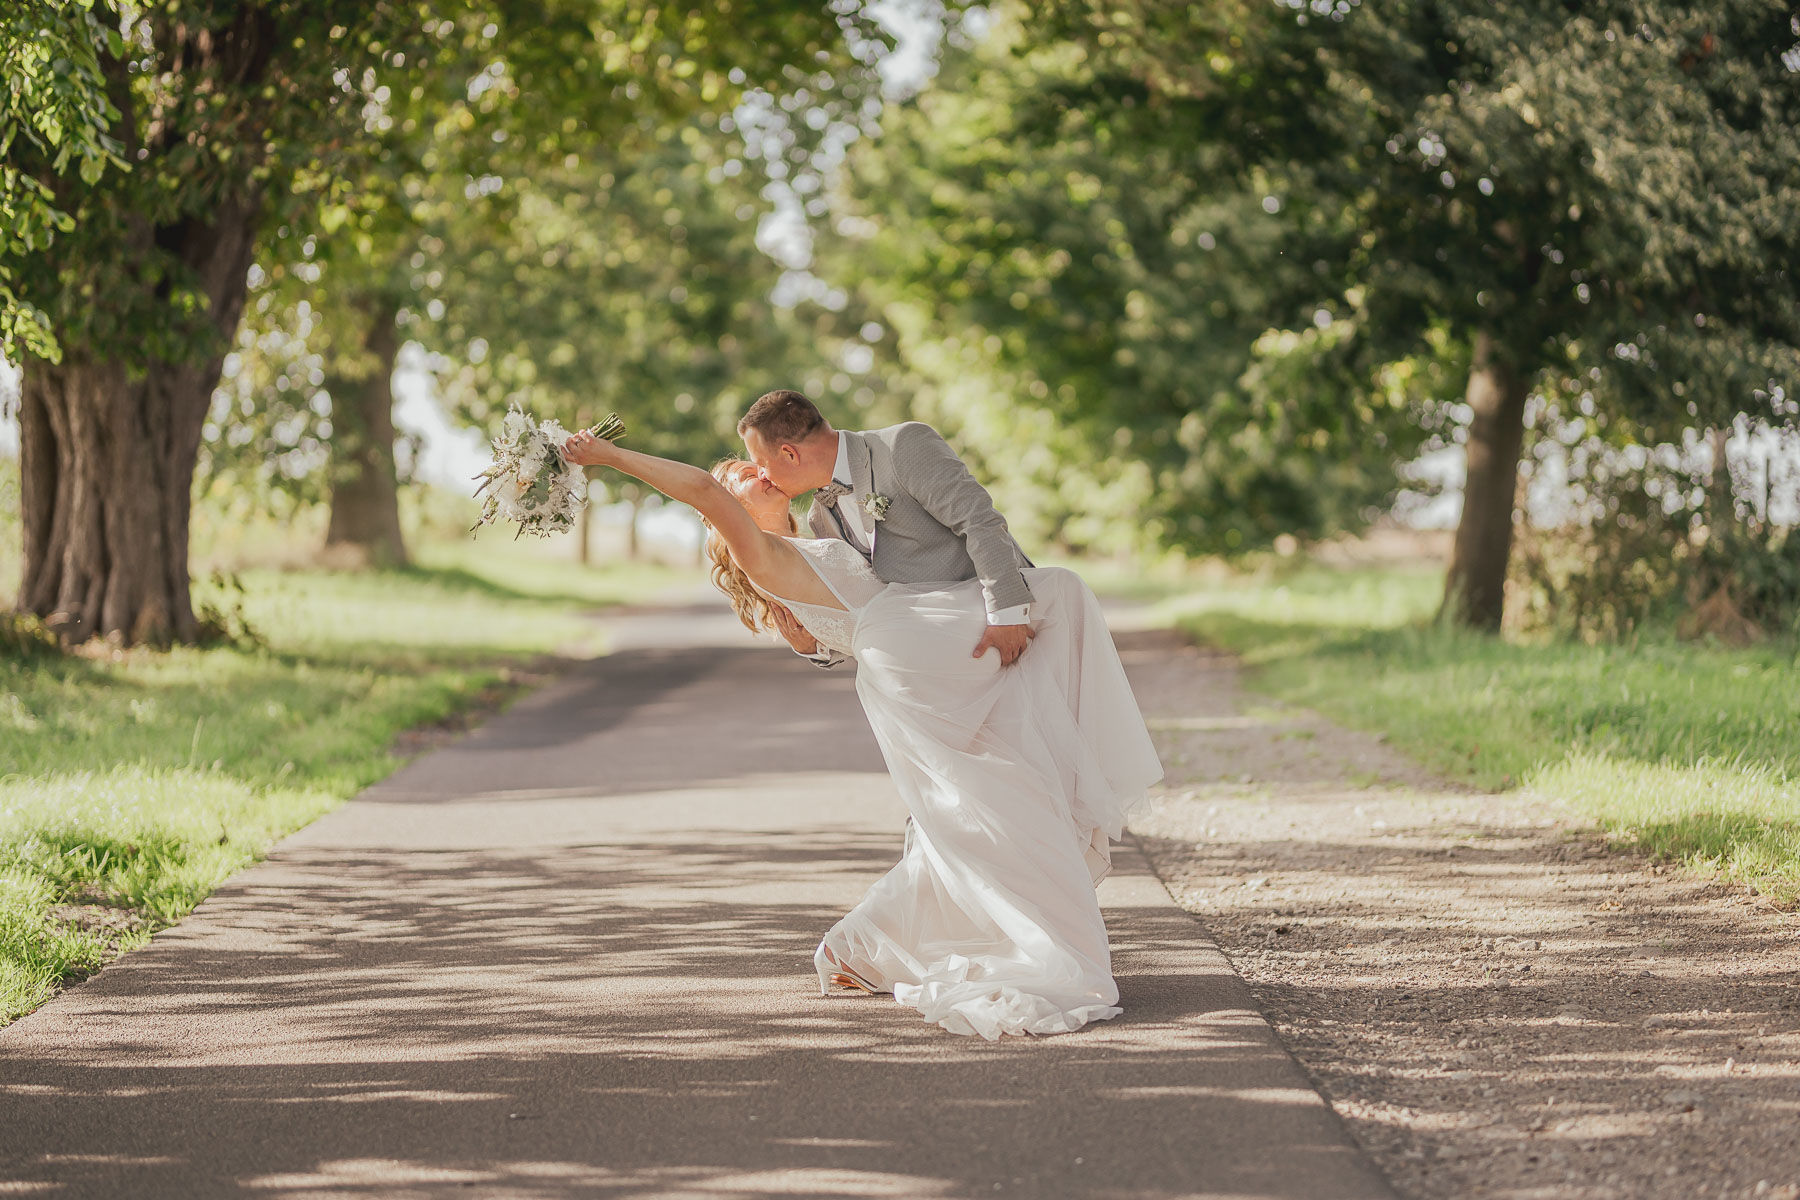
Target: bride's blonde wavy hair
[[748, 603]]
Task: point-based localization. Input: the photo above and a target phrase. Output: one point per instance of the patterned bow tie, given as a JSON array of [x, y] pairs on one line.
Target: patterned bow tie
[[831, 493]]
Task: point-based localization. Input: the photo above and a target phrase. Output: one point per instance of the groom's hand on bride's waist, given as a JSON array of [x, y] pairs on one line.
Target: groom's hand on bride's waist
[[1009, 640], [790, 628]]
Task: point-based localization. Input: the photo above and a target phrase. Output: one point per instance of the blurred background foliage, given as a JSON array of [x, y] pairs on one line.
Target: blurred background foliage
[[1178, 280], [1191, 376], [1213, 278]]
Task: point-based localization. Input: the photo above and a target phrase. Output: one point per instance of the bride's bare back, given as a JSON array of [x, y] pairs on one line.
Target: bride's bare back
[[788, 577]]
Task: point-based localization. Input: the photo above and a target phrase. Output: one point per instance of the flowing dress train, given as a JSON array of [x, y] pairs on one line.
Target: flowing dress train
[[1016, 780]]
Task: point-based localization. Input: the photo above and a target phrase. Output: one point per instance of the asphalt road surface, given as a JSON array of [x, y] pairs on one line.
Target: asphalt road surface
[[570, 955]]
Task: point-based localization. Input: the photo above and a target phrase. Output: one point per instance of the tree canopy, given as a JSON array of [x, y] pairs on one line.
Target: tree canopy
[[1601, 201], [458, 189], [629, 282], [242, 121], [54, 117], [1035, 242], [1175, 276]]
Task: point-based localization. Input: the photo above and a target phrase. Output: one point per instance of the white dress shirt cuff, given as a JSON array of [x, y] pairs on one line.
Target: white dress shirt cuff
[[1018, 614]]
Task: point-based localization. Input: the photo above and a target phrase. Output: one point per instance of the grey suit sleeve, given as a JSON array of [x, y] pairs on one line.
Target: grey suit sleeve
[[930, 470]]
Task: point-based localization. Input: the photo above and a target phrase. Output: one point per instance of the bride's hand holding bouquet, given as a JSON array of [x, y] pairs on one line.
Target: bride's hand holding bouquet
[[589, 448]]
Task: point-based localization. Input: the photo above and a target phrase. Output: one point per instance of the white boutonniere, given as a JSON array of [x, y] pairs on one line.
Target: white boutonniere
[[876, 506]]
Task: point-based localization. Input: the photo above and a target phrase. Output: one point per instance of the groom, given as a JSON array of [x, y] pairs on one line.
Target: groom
[[903, 500]]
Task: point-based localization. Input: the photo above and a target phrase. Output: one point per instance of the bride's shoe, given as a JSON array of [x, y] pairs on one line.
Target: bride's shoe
[[832, 972], [847, 978]]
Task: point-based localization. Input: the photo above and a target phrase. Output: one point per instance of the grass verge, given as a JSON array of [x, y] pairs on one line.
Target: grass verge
[[1685, 751], [131, 786]]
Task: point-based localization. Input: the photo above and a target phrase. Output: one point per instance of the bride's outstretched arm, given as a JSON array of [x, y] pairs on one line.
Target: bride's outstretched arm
[[769, 561]]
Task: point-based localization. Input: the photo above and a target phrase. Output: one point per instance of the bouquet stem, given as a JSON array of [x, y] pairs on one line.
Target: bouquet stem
[[611, 429]]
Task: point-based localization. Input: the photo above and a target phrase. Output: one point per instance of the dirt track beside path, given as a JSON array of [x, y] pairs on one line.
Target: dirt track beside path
[[1497, 1004]]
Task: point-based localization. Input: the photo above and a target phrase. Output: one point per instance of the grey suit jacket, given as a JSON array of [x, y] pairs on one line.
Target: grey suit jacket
[[940, 524]]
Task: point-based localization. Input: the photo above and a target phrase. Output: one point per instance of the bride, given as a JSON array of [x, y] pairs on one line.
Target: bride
[[1015, 777]]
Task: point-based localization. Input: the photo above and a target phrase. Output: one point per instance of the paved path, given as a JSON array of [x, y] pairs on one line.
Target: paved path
[[570, 955]]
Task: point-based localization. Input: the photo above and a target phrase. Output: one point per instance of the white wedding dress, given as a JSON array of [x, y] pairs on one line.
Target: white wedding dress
[[1016, 779]]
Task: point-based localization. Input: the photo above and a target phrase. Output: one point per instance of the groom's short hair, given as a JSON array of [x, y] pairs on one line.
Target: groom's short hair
[[782, 416]]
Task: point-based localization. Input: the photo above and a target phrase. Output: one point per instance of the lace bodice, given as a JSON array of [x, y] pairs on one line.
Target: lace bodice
[[850, 579]]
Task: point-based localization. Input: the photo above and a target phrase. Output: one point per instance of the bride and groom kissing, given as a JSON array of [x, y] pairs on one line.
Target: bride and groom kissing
[[993, 689]]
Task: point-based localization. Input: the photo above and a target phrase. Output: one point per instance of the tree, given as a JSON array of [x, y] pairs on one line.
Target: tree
[[222, 106], [629, 281], [307, 405], [1033, 243], [234, 115], [498, 116], [303, 413], [1600, 201]]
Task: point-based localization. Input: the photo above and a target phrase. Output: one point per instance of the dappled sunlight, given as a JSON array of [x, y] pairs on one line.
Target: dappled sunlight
[[1482, 993], [484, 1006], [351, 845], [138, 781], [1408, 969], [1680, 750], [1745, 826], [550, 1177], [573, 952]]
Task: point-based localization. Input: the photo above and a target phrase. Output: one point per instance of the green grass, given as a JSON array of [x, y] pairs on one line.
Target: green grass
[[1685, 751], [132, 785]]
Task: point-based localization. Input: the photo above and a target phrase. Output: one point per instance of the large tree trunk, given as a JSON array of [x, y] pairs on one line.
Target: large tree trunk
[[1475, 591], [107, 462], [365, 494], [111, 433]]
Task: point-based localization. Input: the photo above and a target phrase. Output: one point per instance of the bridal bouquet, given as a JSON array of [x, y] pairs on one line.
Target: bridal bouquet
[[530, 482]]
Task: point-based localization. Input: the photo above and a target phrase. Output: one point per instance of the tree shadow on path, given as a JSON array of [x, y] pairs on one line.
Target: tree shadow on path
[[621, 1020], [571, 955]]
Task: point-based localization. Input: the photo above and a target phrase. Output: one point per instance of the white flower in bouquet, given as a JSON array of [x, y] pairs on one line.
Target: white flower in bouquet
[[530, 483]]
